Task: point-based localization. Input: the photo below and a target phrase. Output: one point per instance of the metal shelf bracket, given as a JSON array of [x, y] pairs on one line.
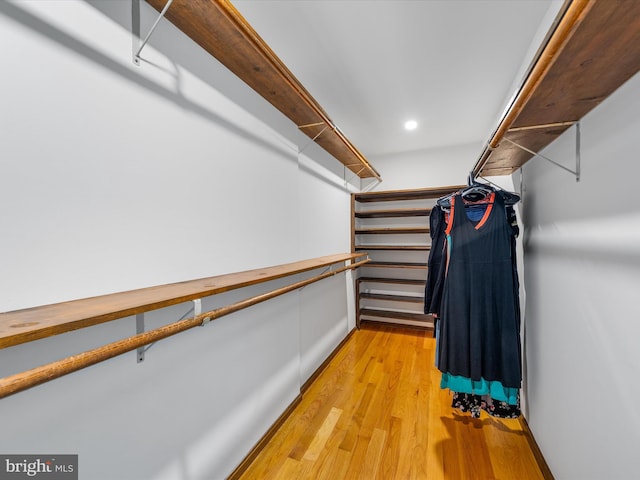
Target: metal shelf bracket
[[575, 172], [300, 150], [140, 329], [140, 351], [197, 310], [136, 55]]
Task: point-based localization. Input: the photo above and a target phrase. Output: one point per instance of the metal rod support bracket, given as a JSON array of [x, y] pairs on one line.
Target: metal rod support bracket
[[136, 56], [313, 139], [575, 172], [372, 185], [197, 310], [140, 329]]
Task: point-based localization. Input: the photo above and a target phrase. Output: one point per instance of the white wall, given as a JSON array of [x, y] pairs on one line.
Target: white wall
[[115, 177], [427, 168], [324, 228], [582, 258]]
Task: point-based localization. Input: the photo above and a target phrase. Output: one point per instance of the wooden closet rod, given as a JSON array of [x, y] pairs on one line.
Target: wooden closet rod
[[36, 376], [573, 15]]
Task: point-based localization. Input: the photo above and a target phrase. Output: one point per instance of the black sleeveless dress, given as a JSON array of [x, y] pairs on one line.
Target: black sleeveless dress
[[480, 331], [435, 272]]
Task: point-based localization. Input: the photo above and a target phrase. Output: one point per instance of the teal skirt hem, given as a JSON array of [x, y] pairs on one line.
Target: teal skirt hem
[[494, 388]]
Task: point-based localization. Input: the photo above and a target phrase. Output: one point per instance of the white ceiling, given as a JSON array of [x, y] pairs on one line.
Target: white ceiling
[[451, 65]]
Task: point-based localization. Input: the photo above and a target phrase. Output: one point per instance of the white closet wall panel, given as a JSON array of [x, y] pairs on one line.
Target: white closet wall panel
[[324, 203], [582, 259], [427, 168], [115, 177]]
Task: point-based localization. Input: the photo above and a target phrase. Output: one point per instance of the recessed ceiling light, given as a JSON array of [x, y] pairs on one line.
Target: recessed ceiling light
[[410, 125]]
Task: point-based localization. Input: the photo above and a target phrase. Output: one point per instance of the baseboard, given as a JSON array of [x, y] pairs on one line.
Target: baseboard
[[251, 456], [266, 438], [537, 453], [425, 327], [305, 386]]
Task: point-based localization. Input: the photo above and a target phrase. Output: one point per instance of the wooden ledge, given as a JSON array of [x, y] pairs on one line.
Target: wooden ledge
[[21, 326], [407, 194], [406, 212], [593, 48], [401, 281], [219, 28]]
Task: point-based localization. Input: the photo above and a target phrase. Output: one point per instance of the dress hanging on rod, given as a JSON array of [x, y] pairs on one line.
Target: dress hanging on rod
[[474, 293]]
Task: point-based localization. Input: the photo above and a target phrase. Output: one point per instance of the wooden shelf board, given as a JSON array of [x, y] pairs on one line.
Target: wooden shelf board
[[426, 326], [29, 324], [373, 312], [394, 247], [385, 231], [408, 194], [407, 212], [395, 298], [374, 264], [395, 281], [218, 27], [600, 54]]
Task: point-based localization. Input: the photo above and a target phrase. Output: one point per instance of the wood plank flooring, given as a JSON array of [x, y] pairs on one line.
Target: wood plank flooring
[[377, 412]]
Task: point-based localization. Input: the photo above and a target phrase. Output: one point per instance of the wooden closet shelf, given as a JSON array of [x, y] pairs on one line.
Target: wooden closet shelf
[[395, 298], [384, 231], [374, 264], [403, 267], [30, 324], [219, 28], [374, 312], [591, 50], [407, 212], [408, 194], [394, 281], [394, 247]]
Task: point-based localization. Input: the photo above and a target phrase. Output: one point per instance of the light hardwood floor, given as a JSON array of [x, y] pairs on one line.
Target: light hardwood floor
[[377, 412]]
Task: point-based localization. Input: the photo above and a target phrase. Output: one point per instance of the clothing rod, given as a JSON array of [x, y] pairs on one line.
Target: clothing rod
[[36, 376], [572, 16]]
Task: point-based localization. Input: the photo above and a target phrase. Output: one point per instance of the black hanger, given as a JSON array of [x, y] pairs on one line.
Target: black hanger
[[445, 202], [510, 198], [476, 191]]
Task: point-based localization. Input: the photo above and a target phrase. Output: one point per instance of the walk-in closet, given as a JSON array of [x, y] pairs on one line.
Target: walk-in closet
[[318, 239]]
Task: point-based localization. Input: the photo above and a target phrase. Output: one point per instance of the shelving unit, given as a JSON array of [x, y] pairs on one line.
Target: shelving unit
[[27, 325], [393, 227], [22, 326], [591, 50]]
